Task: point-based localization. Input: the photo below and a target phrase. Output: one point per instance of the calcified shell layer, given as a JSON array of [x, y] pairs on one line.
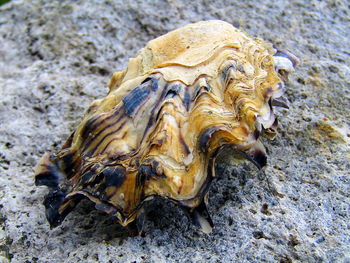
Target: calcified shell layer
[[184, 97]]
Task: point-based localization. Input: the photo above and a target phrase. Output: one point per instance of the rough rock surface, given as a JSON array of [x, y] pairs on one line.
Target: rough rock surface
[[57, 56]]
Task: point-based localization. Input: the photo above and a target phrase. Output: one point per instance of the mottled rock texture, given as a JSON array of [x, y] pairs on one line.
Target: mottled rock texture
[[57, 56]]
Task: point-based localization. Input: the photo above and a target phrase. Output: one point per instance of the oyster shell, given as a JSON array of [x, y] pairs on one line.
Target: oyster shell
[[184, 97]]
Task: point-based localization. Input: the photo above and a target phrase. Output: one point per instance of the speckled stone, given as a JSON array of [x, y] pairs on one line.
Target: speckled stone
[[57, 56]]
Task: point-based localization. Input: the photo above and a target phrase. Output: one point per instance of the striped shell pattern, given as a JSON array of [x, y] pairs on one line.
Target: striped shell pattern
[[185, 97]]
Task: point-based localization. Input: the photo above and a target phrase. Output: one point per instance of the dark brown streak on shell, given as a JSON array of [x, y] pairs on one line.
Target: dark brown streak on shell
[[112, 177], [206, 136], [89, 177], [93, 177], [139, 96], [107, 145], [68, 143], [225, 73], [124, 156], [187, 99], [68, 161], [155, 108], [147, 170], [105, 137], [183, 143], [135, 98], [256, 134], [49, 176], [173, 91], [199, 91], [115, 155], [53, 202], [181, 186], [91, 124], [89, 139]]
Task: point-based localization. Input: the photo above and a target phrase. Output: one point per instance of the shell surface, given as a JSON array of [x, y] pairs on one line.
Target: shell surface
[[167, 116]]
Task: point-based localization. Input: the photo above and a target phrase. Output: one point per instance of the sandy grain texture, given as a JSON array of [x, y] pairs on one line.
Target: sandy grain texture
[[57, 56]]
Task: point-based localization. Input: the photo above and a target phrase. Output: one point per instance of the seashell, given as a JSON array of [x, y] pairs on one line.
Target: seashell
[[184, 98]]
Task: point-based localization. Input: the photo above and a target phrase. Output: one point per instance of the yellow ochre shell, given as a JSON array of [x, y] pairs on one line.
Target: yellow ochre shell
[[184, 97]]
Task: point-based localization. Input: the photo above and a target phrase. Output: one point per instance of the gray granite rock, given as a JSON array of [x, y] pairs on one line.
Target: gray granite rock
[[57, 56]]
